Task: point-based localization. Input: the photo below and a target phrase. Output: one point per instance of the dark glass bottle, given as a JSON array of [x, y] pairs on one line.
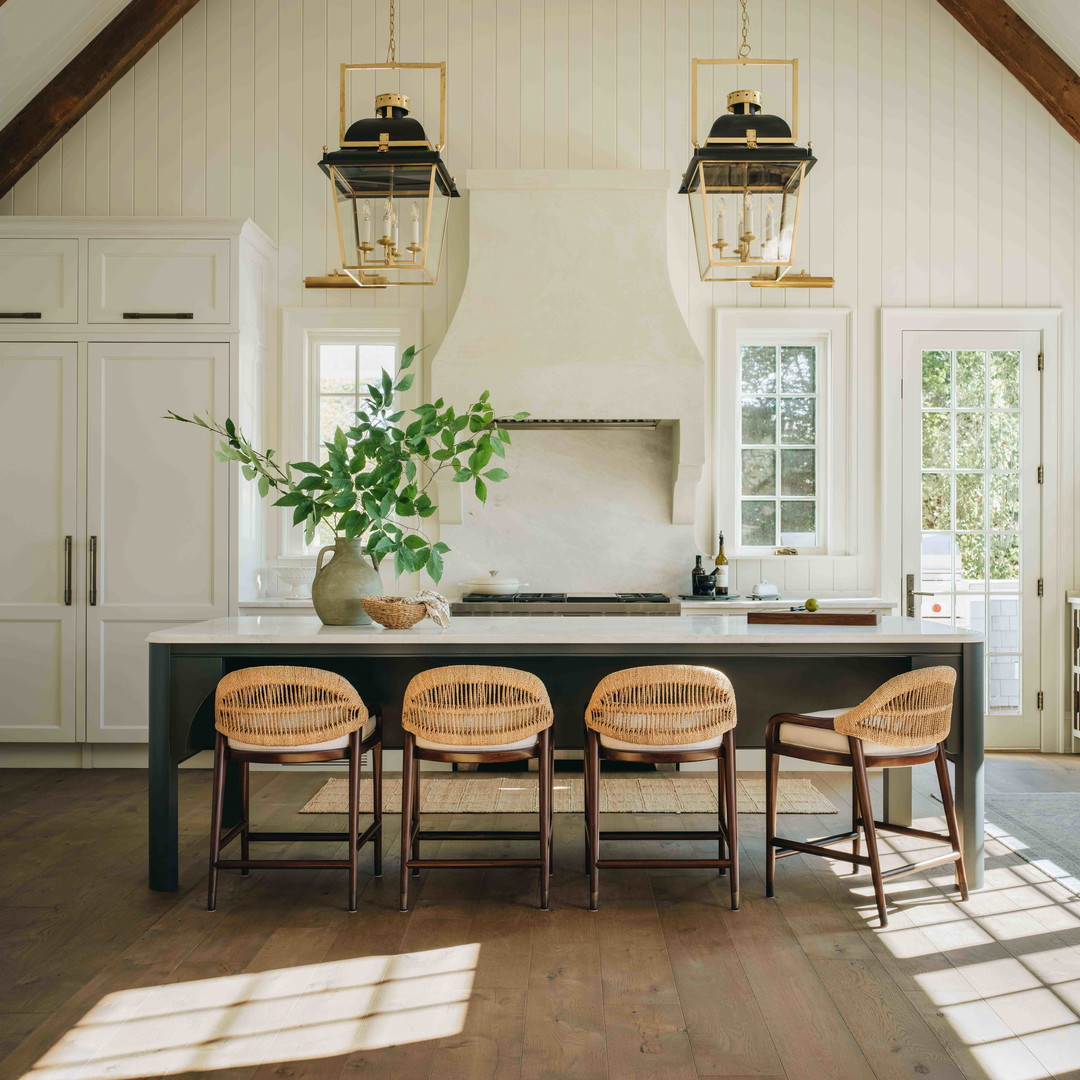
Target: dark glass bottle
[[722, 569], [697, 578]]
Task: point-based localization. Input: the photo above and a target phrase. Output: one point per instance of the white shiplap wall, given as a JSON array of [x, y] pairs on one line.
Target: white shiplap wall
[[942, 182]]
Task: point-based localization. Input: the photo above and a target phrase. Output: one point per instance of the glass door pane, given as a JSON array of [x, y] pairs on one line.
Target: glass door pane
[[972, 506]]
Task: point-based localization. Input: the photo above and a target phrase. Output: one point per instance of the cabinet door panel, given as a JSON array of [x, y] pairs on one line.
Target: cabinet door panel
[[38, 447], [39, 276], [158, 506], [157, 279]]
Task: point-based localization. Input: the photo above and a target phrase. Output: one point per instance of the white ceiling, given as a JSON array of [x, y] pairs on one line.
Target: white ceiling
[[1057, 22], [38, 37]]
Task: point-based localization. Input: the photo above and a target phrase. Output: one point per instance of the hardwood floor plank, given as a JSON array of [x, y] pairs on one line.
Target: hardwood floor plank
[[564, 1014], [489, 1045], [648, 1041], [732, 1037]]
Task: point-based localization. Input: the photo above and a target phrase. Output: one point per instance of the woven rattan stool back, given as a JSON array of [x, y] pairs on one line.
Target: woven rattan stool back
[[909, 711]]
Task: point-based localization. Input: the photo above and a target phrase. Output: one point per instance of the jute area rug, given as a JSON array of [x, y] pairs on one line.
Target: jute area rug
[[518, 795]]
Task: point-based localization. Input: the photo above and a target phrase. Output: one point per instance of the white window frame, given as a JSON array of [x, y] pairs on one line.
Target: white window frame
[[304, 329], [830, 331]]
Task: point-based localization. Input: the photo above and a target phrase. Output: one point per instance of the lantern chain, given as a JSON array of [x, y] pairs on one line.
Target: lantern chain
[[391, 51], [744, 48]]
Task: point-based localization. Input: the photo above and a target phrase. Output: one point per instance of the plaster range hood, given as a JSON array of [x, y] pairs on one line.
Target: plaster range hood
[[568, 313]]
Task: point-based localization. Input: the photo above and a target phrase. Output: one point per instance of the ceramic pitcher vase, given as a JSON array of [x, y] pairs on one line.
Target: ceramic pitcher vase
[[340, 584]]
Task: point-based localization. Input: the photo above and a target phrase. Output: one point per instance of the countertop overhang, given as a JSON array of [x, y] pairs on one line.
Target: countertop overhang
[[628, 630]]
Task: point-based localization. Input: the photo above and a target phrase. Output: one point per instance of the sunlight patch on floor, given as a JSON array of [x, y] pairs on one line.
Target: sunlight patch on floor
[[994, 968], [287, 1014]]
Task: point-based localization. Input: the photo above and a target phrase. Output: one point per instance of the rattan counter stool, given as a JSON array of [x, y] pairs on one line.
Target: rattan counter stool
[[468, 714], [903, 723], [653, 715], [288, 716]]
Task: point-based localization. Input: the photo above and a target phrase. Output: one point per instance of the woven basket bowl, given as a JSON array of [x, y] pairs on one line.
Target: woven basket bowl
[[393, 612]]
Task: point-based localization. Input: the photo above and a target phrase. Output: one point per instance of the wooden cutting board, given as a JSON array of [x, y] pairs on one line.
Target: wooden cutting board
[[813, 618]]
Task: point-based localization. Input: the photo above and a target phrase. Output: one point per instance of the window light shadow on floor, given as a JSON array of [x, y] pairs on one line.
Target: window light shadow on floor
[[287, 1014], [1003, 969]]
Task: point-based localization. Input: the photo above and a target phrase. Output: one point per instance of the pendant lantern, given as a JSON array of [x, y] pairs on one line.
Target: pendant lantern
[[746, 183], [392, 190]]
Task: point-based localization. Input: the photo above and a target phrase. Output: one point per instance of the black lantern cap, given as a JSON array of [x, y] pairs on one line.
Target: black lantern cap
[[389, 139], [745, 115]]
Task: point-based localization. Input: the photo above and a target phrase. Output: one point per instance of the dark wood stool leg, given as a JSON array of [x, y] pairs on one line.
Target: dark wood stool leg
[[772, 780], [416, 814], [941, 764], [245, 809], [352, 831], [856, 821], [408, 779], [376, 804], [862, 783], [592, 814], [216, 811], [732, 800], [551, 804], [545, 781], [721, 807], [585, 815]]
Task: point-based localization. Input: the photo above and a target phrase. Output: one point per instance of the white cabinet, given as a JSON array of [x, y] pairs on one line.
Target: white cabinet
[[148, 281], [157, 515], [39, 281], [114, 521], [38, 512]]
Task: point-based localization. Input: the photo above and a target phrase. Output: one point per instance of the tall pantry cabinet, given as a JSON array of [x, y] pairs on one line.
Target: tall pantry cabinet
[[113, 521]]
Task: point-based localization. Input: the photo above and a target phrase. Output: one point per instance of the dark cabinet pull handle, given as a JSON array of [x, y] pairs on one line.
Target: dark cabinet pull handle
[[159, 314], [92, 597], [20, 314], [67, 571]]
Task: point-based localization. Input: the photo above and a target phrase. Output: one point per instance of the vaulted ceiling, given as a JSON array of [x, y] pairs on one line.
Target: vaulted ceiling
[[1057, 22]]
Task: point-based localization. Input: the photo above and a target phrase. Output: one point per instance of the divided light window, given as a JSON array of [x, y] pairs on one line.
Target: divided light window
[[340, 373], [780, 445]]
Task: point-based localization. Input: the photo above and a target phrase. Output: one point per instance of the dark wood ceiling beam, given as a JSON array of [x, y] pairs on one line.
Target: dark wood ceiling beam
[[84, 82], [999, 30]]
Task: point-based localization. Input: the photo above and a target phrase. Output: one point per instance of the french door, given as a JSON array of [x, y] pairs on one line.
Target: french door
[[972, 408]]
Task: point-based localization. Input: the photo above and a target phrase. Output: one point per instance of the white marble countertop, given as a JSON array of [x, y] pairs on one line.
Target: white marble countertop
[[558, 630]]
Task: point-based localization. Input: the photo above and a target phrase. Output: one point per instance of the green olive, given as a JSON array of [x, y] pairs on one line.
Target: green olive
[[812, 604]]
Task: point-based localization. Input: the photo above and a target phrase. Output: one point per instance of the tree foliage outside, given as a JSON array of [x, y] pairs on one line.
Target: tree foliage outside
[[374, 484]]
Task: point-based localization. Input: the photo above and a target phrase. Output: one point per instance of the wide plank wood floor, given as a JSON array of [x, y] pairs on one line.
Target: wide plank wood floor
[[105, 980]]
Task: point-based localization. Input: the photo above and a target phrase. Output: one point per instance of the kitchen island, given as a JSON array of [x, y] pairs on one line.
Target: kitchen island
[[773, 668]]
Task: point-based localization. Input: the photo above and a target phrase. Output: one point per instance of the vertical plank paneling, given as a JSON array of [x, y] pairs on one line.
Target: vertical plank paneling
[[830, 75], [367, 48], [1037, 202], [532, 84], [965, 208], [121, 146], [1014, 235], [338, 48], [628, 84], [579, 84], [290, 153], [218, 106], [604, 135], [24, 193], [170, 121], [265, 179], [144, 142], [435, 298], [507, 84], [652, 55], [556, 85], [917, 81], [73, 182], [314, 190], [50, 180], [97, 158], [483, 98], [242, 142], [894, 153], [989, 230], [942, 160], [193, 118]]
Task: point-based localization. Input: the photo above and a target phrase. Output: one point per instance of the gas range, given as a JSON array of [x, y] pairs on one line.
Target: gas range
[[560, 603]]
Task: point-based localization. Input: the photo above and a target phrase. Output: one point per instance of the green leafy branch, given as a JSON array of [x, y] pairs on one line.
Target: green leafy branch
[[375, 480]]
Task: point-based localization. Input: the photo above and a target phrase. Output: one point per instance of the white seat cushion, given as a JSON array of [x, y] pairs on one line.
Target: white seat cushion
[[619, 744], [339, 743], [461, 748], [815, 738]]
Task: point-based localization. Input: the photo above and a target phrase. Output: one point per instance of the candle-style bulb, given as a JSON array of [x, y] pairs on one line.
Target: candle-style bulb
[[720, 239], [365, 236], [415, 226], [769, 232]]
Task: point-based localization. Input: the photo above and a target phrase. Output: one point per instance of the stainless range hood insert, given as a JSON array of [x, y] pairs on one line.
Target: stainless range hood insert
[[577, 422]]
